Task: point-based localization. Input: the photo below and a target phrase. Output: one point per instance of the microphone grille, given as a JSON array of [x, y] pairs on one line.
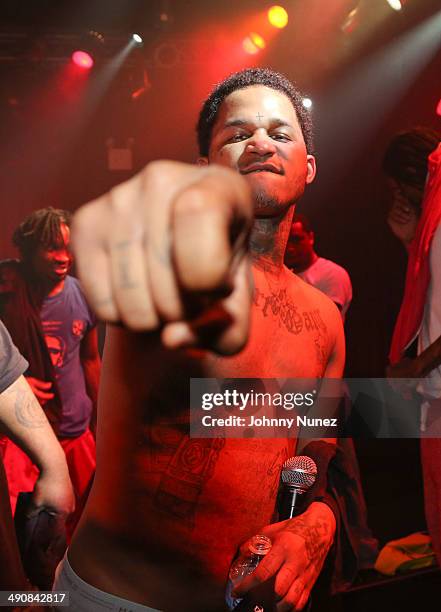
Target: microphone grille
[[300, 471]]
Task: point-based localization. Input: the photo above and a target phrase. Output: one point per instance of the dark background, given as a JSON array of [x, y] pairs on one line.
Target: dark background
[[367, 83]]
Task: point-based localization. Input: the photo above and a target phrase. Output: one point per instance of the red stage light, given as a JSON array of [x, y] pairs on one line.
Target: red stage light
[[82, 59], [438, 108]]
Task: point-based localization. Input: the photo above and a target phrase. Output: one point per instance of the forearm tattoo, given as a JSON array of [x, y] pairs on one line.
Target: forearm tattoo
[[26, 408]]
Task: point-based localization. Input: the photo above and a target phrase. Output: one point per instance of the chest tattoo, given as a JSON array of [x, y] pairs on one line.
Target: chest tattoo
[[294, 319]]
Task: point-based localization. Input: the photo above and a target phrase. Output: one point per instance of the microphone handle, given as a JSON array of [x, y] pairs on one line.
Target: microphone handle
[[295, 492], [290, 504]]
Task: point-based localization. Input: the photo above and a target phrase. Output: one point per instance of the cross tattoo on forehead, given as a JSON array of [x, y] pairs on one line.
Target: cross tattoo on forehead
[[259, 116]]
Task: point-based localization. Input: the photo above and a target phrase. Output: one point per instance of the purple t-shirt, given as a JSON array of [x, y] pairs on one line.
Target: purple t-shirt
[[66, 318]]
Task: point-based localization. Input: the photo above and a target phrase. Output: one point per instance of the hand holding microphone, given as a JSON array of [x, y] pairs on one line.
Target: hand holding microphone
[[284, 577]]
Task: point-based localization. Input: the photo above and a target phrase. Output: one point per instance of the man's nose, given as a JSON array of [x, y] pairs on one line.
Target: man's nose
[[63, 256], [261, 144]]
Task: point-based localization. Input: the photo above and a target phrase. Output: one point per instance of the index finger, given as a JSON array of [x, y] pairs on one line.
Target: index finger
[[224, 327], [88, 237], [210, 222]]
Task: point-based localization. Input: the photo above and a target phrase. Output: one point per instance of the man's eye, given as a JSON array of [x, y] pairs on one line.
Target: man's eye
[[280, 137], [238, 137]]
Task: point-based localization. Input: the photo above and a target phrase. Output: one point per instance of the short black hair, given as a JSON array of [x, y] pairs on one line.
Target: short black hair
[[303, 219], [241, 80], [42, 228], [405, 159]]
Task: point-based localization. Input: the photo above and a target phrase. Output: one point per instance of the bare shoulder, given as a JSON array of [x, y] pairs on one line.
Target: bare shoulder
[[316, 301], [312, 297], [293, 297], [313, 300]]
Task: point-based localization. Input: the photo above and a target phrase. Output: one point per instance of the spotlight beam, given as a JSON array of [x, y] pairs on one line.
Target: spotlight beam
[[369, 91]]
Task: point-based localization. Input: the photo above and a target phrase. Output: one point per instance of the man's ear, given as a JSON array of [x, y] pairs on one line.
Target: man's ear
[[202, 161], [311, 168]]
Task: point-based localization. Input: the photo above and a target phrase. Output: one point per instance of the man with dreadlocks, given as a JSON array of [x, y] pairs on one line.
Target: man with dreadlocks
[[45, 312], [413, 164]]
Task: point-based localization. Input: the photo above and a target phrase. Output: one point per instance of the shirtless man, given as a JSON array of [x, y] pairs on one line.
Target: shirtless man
[[167, 253]]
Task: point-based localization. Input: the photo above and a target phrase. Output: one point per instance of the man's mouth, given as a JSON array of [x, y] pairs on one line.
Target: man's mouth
[[61, 269], [255, 168]]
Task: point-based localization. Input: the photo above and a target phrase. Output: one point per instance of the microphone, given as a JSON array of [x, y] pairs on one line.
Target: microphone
[[298, 475]]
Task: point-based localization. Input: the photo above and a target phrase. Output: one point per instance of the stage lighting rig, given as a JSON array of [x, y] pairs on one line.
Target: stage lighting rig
[[90, 47], [396, 5], [82, 59], [307, 103], [137, 39]]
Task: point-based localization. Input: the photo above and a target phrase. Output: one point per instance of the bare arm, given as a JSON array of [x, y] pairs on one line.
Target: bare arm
[[91, 364], [430, 358], [420, 366], [334, 370], [23, 420], [403, 376]]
